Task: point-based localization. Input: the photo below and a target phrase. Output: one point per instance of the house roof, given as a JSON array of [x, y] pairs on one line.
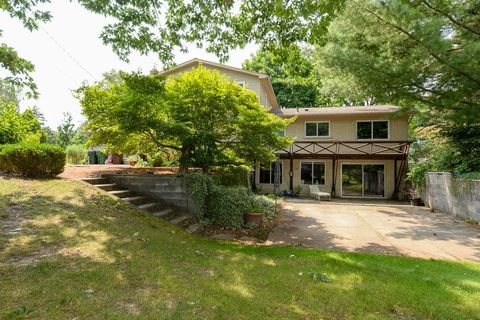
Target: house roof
[[264, 79], [351, 110]]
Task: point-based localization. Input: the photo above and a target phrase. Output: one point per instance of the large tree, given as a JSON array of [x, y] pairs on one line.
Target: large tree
[[201, 115], [290, 70], [413, 53], [164, 26]]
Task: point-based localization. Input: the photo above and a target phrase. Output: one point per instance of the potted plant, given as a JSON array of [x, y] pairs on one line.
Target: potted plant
[[254, 216], [296, 190], [132, 160]]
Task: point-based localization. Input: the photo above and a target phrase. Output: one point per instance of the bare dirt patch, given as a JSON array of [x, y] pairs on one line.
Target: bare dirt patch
[[96, 171], [25, 260]]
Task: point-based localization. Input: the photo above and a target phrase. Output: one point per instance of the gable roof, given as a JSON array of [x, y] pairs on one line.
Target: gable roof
[[350, 110], [264, 79]]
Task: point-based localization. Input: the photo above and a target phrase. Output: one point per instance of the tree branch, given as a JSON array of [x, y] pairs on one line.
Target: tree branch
[[408, 34], [451, 18]]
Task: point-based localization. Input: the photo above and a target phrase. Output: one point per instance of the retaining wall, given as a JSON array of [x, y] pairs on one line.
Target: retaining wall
[[460, 197], [168, 189]]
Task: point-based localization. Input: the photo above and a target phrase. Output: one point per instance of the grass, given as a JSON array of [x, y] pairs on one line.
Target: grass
[[82, 254]]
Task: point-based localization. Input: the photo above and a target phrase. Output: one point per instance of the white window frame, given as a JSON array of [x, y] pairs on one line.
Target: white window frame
[[242, 84], [363, 188], [317, 122], [312, 162], [371, 130]]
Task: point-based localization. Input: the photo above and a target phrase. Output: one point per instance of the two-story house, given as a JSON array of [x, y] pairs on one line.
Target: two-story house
[[347, 151]]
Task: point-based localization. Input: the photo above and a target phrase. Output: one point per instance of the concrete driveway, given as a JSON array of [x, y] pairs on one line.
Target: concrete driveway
[[384, 227]]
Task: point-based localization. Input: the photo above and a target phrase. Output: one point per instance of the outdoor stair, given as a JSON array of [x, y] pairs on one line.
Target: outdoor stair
[[107, 186], [136, 200], [121, 193], [155, 208]]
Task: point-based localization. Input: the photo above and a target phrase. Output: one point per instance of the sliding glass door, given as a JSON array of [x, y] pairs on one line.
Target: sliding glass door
[[352, 180], [363, 180]]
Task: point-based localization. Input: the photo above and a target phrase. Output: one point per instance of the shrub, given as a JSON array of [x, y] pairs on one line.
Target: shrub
[[233, 175], [227, 205], [76, 154], [199, 187], [32, 160], [416, 175], [266, 204]]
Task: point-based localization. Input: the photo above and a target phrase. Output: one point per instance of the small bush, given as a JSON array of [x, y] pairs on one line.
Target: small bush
[[266, 204], [228, 205], [233, 175], [32, 160], [76, 154]]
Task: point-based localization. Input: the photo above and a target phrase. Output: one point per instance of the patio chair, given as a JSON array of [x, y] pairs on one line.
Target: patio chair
[[317, 194]]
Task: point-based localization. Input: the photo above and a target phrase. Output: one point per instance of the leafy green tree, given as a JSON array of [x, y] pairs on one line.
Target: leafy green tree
[[16, 126], [165, 26], [201, 116], [65, 131], [9, 93], [412, 53], [11, 128], [291, 73]]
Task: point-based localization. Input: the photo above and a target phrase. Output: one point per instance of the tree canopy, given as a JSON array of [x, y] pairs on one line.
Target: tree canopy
[[165, 26], [291, 73], [201, 116], [412, 53]]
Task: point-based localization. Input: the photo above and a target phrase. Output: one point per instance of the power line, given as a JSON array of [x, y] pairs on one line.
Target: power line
[[68, 54]]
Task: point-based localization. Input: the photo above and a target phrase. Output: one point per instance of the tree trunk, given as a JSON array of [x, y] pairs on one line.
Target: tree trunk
[[184, 157]]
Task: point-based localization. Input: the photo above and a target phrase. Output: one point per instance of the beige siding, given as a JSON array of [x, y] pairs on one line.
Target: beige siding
[[251, 82], [344, 128]]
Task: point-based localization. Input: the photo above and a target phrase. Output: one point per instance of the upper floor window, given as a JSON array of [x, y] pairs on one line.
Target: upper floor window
[[269, 173], [281, 133], [317, 129], [372, 129], [241, 83]]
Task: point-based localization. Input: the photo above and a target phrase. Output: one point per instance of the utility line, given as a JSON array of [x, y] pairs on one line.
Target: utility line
[[68, 54]]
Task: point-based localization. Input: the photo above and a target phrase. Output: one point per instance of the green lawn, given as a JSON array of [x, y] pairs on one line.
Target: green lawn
[[84, 255]]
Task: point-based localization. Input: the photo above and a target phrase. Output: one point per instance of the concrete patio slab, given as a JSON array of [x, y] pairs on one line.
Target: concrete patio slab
[[375, 226]]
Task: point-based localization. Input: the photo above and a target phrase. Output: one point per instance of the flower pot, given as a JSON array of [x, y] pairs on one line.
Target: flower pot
[[132, 163], [415, 202], [254, 217]]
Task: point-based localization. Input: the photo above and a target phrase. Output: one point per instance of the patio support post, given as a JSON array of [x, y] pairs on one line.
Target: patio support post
[[291, 172], [334, 176], [395, 173]]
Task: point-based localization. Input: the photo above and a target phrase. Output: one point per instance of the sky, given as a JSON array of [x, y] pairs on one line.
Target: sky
[[68, 51]]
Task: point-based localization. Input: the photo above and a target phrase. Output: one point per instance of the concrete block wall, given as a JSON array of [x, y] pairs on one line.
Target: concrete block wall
[[460, 197], [168, 189]]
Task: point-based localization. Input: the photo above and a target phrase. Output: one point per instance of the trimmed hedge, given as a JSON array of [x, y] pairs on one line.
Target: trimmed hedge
[[227, 205], [32, 160]]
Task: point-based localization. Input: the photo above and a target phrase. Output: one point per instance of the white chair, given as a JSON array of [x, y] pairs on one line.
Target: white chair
[[317, 194]]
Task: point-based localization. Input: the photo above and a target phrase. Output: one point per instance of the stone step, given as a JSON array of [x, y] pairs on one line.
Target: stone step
[[108, 186], [164, 214], [122, 193], [181, 221], [195, 228], [150, 207], [95, 181], [136, 200]]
